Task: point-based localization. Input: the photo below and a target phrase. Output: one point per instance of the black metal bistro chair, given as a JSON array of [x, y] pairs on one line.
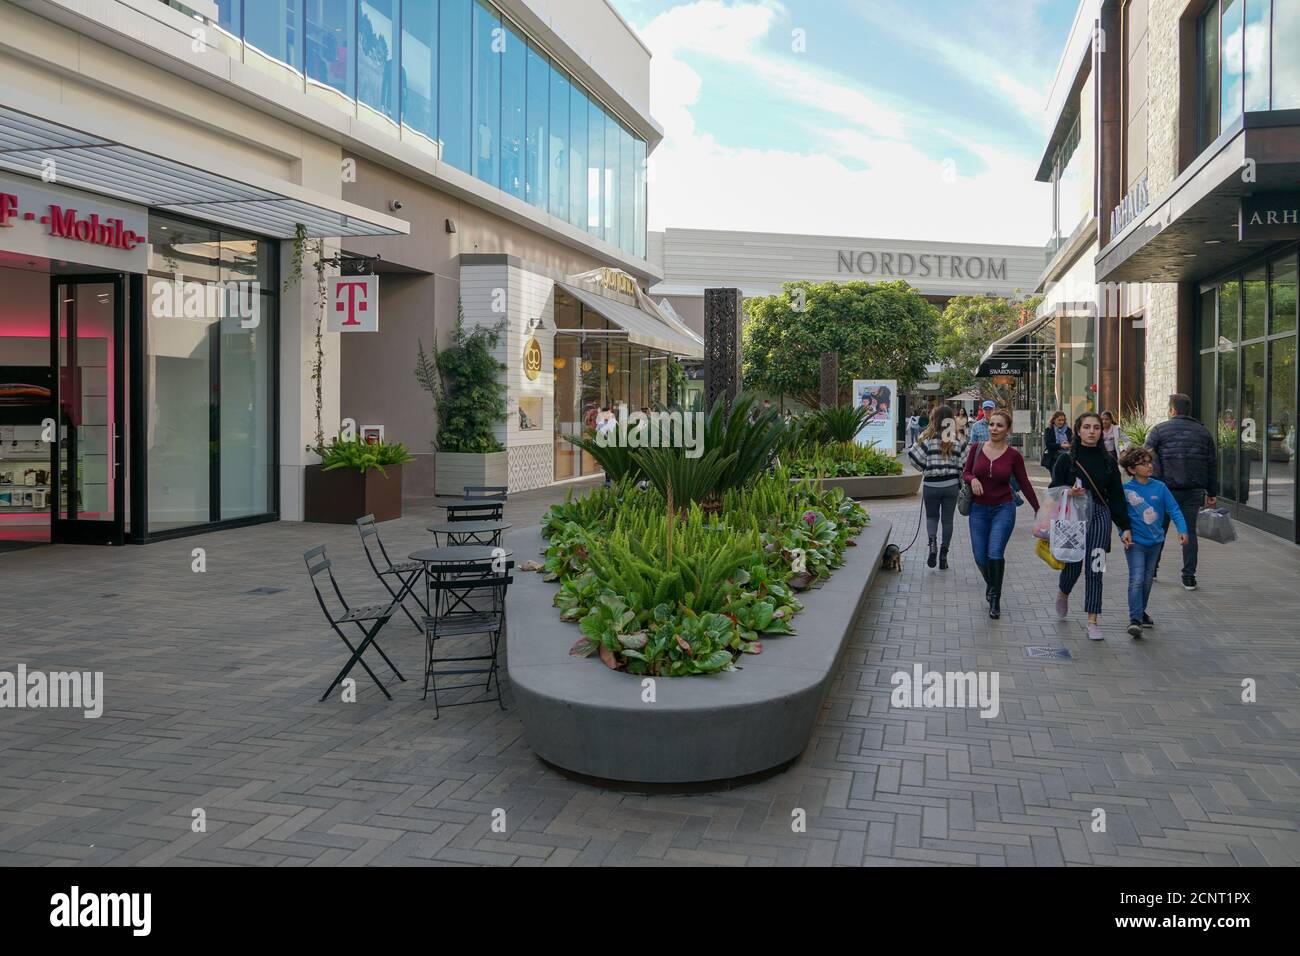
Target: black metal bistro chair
[[492, 498], [407, 574], [376, 615], [482, 602]]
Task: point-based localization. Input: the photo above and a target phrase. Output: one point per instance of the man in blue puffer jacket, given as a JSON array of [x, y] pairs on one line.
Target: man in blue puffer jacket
[[1186, 460]]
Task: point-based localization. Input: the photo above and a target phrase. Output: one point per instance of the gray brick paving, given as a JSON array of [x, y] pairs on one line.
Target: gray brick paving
[[211, 703]]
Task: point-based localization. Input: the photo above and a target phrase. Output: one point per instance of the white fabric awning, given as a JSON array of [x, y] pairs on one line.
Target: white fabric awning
[[642, 329], [252, 202]]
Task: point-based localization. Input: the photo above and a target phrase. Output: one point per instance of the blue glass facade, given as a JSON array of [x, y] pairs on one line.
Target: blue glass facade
[[457, 73]]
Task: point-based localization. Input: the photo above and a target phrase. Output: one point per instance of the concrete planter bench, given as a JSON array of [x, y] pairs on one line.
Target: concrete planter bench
[[580, 716], [884, 486]]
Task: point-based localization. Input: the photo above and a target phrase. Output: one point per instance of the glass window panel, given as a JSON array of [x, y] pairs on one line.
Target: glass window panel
[[514, 66], [229, 16], [1228, 295], [1284, 295], [1205, 321], [559, 150], [1254, 306], [275, 28], [486, 99], [626, 191], [595, 168], [567, 413], [1230, 47], [1253, 424], [1282, 428], [331, 41], [610, 198], [639, 160], [1286, 65], [1206, 396], [246, 414], [539, 97], [377, 32], [454, 34], [1227, 424], [578, 107], [1257, 54], [420, 67], [1210, 74]]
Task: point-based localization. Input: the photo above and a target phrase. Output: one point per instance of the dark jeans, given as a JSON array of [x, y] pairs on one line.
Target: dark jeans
[[940, 502], [990, 527], [1190, 501], [1141, 572]]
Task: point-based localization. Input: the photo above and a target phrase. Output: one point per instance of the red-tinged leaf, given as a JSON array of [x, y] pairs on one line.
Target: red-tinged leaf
[[802, 581], [851, 543], [755, 647], [681, 642], [583, 648], [607, 656]]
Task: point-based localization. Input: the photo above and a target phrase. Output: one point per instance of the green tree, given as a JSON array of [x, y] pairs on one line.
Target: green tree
[[880, 330], [968, 326]]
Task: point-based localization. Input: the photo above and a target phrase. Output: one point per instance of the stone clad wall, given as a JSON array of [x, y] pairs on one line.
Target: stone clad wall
[[1162, 169]]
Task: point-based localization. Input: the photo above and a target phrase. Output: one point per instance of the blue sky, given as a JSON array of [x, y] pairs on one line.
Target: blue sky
[[921, 119]]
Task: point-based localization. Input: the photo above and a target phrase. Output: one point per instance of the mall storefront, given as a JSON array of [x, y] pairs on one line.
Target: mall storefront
[[139, 348]]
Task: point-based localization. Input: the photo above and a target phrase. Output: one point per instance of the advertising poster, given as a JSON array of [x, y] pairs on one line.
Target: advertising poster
[[880, 398]]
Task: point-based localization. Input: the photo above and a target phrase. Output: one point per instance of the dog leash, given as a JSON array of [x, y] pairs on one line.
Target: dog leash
[[917, 533]]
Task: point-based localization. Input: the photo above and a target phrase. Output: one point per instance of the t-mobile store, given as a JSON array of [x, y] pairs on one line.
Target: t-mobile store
[[139, 339]]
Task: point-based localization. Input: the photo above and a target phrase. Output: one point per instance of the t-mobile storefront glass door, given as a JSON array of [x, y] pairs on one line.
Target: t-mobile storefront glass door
[[87, 319]]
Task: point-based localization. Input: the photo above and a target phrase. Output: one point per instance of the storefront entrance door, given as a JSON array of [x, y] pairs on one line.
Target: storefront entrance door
[[87, 319]]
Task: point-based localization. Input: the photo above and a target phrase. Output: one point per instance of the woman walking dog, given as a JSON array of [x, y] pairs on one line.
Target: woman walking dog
[[1089, 464], [937, 454], [990, 466]]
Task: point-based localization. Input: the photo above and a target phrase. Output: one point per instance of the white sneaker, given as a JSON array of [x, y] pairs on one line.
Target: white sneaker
[[1094, 633]]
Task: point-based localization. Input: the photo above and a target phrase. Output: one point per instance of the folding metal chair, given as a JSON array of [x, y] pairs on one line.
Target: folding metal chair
[[493, 498], [448, 601], [488, 621], [406, 573], [376, 614]]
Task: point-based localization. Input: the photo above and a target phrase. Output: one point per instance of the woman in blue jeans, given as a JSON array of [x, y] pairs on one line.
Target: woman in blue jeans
[[990, 468]]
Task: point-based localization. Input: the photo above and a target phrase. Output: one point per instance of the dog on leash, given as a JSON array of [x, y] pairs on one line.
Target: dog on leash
[[892, 559]]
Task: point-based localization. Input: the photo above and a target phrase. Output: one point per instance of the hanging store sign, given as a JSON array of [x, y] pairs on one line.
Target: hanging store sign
[[65, 225], [1269, 216], [353, 304], [532, 360], [1003, 368]]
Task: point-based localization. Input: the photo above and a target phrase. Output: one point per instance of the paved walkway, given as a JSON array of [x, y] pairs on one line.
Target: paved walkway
[[211, 705]]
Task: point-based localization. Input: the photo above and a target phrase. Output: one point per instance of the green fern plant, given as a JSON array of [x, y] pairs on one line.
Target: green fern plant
[[362, 456]]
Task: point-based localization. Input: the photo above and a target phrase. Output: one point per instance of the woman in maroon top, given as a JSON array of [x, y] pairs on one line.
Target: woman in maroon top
[[989, 469]]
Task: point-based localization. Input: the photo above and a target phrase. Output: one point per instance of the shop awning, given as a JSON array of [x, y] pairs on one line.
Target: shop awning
[[1019, 346], [641, 328], [254, 202]]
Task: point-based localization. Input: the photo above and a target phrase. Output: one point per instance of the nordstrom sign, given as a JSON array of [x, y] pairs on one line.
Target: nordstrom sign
[[906, 264]]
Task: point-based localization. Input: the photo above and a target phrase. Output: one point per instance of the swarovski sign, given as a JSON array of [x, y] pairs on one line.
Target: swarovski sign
[[920, 265]]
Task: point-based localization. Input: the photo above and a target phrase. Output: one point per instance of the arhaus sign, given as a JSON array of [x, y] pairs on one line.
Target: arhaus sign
[[1269, 216]]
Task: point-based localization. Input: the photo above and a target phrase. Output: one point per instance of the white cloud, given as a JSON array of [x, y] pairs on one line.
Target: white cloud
[[904, 192]]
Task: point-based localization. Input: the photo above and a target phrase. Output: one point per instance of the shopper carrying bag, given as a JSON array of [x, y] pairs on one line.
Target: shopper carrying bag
[[1088, 470], [1070, 529], [990, 466]]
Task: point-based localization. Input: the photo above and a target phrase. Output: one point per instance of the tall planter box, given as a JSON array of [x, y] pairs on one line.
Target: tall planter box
[[454, 470], [343, 495]]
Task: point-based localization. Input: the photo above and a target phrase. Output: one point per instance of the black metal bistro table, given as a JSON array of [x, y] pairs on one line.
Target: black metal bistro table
[[432, 558], [473, 509], [464, 533]]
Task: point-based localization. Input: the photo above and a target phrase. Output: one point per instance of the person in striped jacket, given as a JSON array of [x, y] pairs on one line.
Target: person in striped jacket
[[938, 454]]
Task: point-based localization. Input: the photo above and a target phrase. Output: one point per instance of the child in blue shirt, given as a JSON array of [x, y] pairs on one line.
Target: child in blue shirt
[[1149, 501]]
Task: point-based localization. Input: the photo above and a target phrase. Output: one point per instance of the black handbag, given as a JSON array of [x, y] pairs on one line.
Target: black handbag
[[965, 497]]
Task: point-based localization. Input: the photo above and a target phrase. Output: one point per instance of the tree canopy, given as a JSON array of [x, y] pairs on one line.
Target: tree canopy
[[880, 330], [968, 326]]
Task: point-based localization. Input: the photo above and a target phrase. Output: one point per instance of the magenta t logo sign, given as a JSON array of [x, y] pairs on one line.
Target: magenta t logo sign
[[353, 304]]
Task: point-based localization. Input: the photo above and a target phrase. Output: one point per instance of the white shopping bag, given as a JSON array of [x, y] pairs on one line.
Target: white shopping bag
[[1070, 529]]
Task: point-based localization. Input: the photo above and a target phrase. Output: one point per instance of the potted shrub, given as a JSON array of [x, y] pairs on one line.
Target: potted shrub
[[355, 479], [471, 402]]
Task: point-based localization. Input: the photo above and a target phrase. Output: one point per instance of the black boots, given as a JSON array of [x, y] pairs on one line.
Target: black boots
[[997, 566], [943, 558], [929, 561]]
